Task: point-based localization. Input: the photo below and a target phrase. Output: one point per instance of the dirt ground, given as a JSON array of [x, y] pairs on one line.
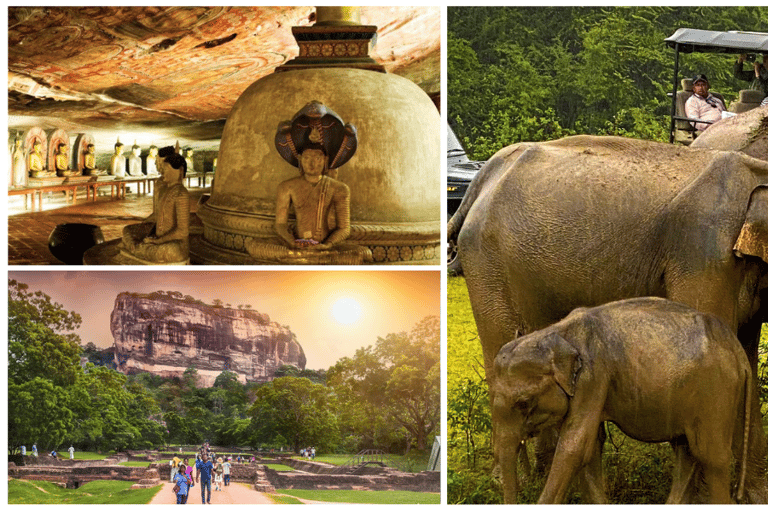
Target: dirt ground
[[235, 493]]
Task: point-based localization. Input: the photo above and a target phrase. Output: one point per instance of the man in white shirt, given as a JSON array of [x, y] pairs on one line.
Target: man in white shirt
[[702, 105]]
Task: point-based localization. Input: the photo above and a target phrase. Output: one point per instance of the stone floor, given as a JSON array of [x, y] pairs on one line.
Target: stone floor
[[28, 231]]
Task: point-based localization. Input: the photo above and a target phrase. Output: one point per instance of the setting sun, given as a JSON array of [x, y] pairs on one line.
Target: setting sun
[[347, 310]]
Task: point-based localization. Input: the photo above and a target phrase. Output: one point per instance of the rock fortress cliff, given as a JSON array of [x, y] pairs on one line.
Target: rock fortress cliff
[[164, 333]]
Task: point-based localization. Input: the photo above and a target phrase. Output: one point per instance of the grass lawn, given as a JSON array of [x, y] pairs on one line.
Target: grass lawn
[[284, 500], [367, 497], [105, 492], [87, 455], [279, 467], [135, 464]]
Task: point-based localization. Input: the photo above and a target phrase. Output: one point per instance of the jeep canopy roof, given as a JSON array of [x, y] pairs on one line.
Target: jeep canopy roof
[[689, 40]]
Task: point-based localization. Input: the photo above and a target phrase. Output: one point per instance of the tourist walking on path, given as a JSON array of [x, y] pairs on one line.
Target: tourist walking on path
[[227, 467], [188, 469], [235, 494], [34, 450], [71, 451], [23, 450], [182, 485], [219, 471], [204, 469], [174, 466]]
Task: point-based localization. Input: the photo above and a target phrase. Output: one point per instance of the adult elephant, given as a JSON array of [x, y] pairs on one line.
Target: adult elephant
[[747, 132], [582, 221]]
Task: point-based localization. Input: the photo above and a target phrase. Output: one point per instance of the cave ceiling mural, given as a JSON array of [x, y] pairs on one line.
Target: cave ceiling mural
[[176, 69]]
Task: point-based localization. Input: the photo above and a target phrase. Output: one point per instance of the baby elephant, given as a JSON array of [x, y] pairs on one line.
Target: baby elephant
[[659, 370]]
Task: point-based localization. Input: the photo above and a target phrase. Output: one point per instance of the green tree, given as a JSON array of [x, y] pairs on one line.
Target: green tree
[[394, 384], [528, 74], [38, 412], [101, 403], [296, 409], [40, 338]]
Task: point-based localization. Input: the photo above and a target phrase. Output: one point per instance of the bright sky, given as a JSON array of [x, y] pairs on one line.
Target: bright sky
[[332, 313]]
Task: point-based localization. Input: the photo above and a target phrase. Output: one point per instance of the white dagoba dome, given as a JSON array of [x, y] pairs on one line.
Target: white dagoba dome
[[394, 176]]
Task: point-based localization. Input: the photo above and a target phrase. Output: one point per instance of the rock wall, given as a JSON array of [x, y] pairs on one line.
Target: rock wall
[[162, 335]]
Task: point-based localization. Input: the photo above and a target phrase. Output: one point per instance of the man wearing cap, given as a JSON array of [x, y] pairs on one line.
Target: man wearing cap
[[702, 105], [758, 76]]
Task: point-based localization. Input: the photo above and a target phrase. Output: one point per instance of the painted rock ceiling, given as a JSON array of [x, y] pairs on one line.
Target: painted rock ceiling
[[177, 69]]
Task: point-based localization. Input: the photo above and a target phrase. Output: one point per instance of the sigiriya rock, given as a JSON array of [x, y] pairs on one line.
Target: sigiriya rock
[[164, 333]]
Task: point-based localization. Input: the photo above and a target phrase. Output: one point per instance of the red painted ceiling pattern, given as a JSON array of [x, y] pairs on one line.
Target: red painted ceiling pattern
[[177, 66]]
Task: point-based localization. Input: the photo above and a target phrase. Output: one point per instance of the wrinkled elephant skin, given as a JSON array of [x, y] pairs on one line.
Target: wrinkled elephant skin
[[582, 221], [660, 370]]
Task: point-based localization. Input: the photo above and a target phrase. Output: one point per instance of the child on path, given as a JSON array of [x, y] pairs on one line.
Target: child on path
[[219, 470]]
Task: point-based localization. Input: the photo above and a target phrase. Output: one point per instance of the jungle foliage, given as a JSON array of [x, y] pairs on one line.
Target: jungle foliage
[[540, 73], [635, 472], [55, 401]]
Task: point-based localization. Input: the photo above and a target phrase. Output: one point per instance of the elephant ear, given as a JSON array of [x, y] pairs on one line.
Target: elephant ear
[[565, 362], [753, 238]]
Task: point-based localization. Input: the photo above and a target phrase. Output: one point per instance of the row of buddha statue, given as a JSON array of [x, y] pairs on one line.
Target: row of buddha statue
[[34, 164]]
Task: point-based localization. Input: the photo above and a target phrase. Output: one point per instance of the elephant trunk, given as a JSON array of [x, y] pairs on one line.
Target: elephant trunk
[[508, 445]]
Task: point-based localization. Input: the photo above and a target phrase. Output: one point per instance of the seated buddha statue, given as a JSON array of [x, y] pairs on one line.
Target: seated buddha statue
[[37, 162], [320, 203], [89, 162], [62, 162], [117, 164], [152, 161], [134, 161], [163, 237]]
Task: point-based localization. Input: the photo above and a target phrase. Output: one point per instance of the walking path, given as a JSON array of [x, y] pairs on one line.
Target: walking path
[[234, 493]]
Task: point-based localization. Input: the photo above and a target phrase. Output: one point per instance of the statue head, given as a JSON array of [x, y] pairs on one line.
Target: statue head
[[118, 148], [313, 161], [90, 149], [62, 147], [174, 161], [37, 145], [190, 151], [136, 150], [153, 150]]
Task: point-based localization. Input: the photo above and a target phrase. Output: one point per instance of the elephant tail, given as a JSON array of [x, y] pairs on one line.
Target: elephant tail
[[747, 424]]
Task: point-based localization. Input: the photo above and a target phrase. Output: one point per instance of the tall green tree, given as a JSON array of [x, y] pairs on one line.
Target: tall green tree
[[297, 410], [395, 383], [38, 412], [40, 338]]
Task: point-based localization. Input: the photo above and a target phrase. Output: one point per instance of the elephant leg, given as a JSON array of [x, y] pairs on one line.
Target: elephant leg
[[575, 449], [591, 480], [498, 322], [710, 445], [682, 475], [755, 485]]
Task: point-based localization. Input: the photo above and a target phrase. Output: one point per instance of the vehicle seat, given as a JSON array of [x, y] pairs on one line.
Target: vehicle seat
[[748, 99], [684, 132]]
